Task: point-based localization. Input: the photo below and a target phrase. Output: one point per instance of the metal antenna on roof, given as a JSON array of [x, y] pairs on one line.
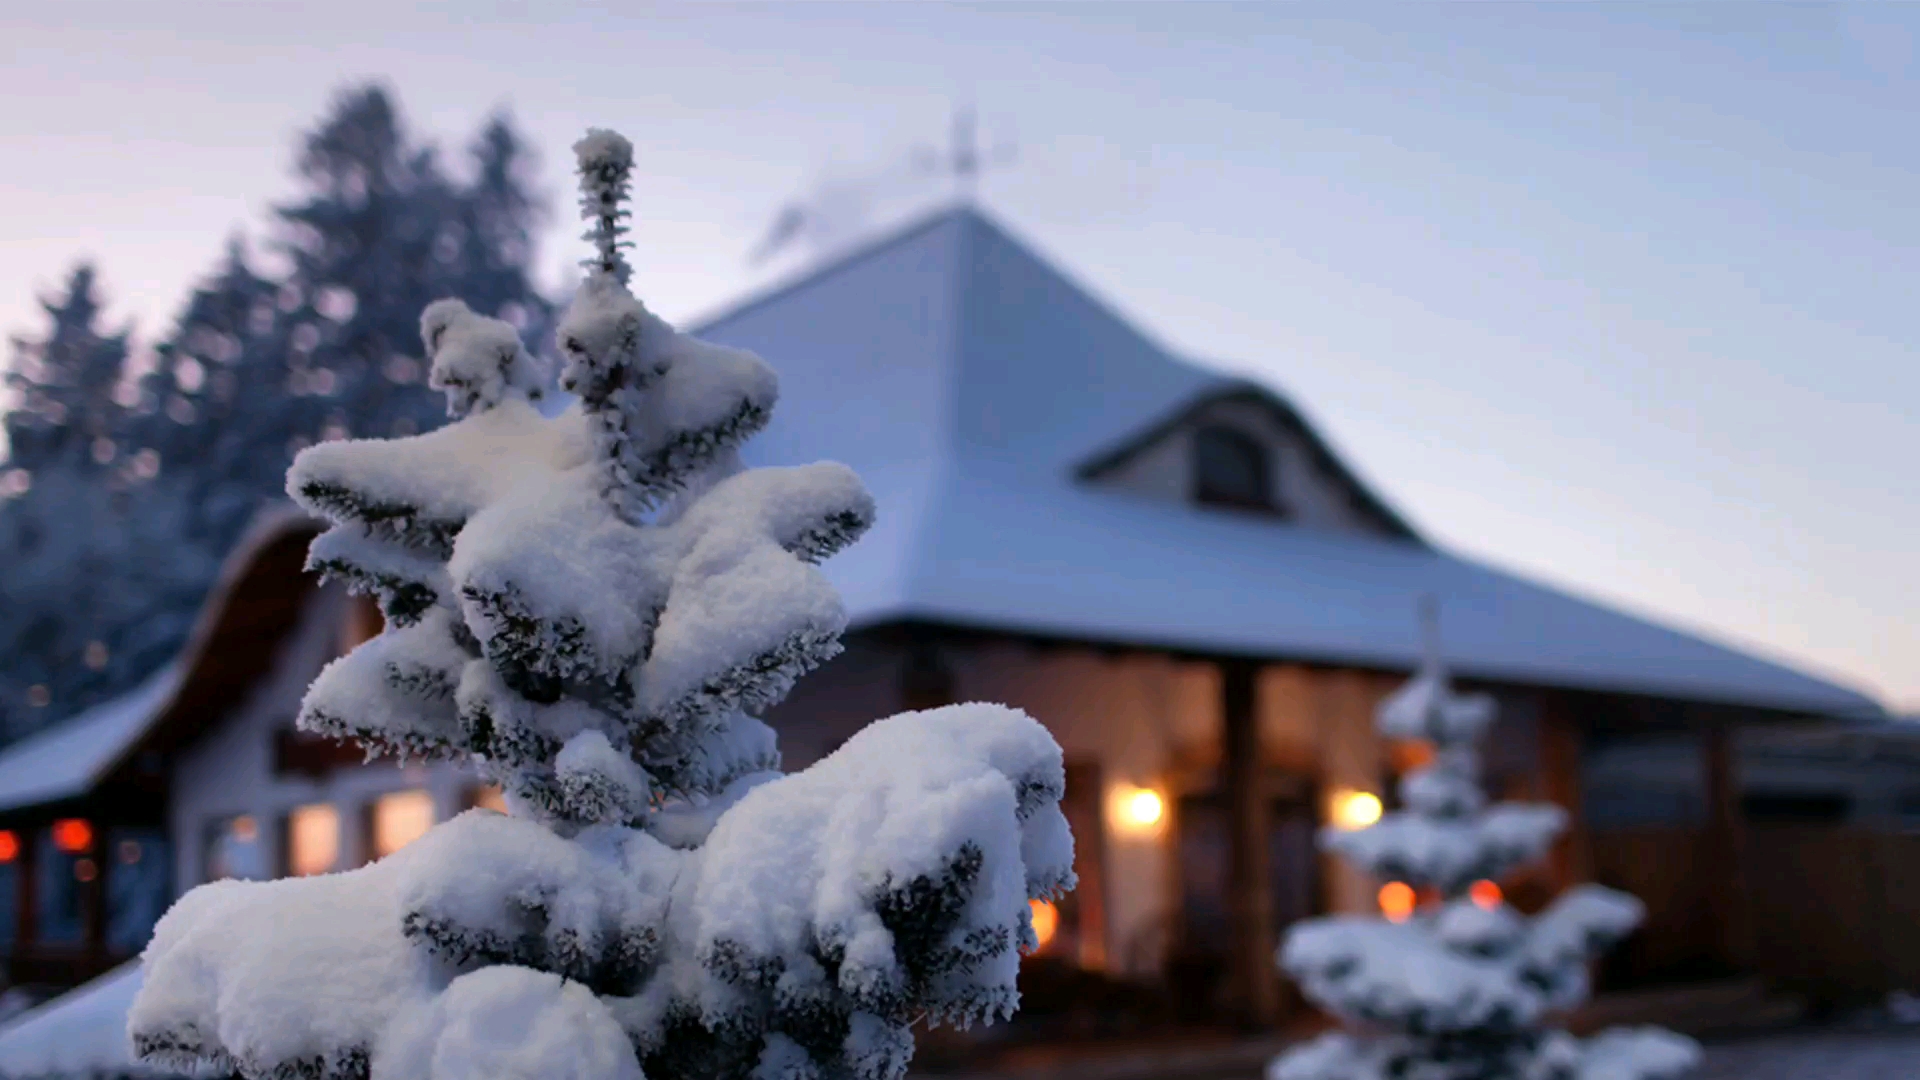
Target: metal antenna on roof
[[963, 160]]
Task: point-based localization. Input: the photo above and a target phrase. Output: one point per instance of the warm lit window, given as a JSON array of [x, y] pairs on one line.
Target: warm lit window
[[64, 868], [313, 839], [138, 886], [399, 819], [1046, 923], [488, 796], [233, 850], [361, 622], [1230, 468]]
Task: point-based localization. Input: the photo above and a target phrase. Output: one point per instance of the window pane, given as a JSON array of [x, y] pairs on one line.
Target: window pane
[[313, 839], [399, 819], [1229, 468], [138, 886], [234, 850], [10, 855], [64, 867]]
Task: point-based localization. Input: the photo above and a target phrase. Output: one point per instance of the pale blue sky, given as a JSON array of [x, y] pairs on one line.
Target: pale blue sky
[[1619, 295]]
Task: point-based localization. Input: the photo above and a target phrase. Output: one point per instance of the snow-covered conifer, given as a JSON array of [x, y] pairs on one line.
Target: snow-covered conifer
[[591, 608], [88, 607], [1458, 989]]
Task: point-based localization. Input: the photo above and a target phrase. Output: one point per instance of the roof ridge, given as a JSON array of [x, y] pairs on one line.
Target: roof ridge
[[801, 277]]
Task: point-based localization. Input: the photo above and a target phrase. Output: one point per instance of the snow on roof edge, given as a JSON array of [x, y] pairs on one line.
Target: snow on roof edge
[[67, 759], [1384, 659]]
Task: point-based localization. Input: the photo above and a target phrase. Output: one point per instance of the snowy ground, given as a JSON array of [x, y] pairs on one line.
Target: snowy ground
[[1816, 1056]]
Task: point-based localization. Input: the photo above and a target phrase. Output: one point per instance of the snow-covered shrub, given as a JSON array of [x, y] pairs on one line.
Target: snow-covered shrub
[[1459, 988], [591, 608]]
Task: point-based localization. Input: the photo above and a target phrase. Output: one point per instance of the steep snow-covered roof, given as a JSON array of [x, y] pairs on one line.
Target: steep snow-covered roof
[[69, 758], [80, 1033], [968, 382]]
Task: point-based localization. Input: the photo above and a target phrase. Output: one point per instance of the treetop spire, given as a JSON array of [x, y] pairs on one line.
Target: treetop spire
[[606, 168]]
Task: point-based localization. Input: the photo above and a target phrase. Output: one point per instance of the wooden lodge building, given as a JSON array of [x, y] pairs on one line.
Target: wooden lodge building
[[1169, 568]]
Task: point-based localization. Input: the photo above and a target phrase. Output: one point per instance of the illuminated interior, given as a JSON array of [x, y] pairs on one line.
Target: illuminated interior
[[313, 839], [399, 819], [1397, 901], [1046, 922], [233, 850]]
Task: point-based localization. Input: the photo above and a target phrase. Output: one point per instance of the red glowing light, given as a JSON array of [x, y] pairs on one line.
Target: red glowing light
[[1397, 901], [72, 835], [9, 846], [1486, 894]]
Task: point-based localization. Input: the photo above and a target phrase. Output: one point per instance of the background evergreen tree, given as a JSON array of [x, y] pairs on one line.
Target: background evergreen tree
[[1459, 987], [382, 233], [216, 404], [64, 385], [184, 455], [98, 578], [593, 607]]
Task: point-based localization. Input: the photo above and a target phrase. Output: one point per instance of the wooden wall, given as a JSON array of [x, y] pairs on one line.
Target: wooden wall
[[1836, 911]]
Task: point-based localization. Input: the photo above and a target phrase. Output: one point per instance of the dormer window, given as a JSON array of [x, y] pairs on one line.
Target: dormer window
[[1230, 468]]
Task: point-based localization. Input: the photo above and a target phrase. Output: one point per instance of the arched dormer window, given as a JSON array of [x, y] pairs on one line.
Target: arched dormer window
[[1230, 468]]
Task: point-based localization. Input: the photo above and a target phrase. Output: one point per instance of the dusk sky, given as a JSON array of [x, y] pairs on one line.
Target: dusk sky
[[1620, 296]]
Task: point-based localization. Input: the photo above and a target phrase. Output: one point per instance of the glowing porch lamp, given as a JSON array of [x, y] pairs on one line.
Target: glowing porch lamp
[[1137, 811], [1355, 810], [72, 835]]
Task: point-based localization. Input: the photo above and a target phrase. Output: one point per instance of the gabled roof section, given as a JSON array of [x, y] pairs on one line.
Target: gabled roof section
[[970, 384], [1286, 416]]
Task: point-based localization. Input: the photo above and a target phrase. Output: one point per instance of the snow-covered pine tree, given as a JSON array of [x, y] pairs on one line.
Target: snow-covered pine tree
[[382, 232], [1458, 989], [87, 607], [592, 608], [98, 587], [214, 409], [65, 410]]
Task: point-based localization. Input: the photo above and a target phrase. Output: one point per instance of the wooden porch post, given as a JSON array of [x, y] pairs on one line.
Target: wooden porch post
[[1562, 741], [1255, 983], [28, 931], [94, 900], [1725, 880]]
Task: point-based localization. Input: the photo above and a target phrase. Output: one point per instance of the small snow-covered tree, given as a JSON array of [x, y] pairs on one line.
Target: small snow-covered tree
[[1457, 989], [592, 607]]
